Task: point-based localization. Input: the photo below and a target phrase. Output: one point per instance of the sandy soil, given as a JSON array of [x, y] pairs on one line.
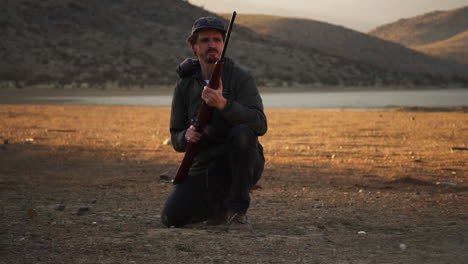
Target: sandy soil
[[80, 184]]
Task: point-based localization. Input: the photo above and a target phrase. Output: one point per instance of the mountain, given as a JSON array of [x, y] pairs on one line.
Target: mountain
[[91, 42], [455, 47], [346, 43], [441, 33], [107, 43]]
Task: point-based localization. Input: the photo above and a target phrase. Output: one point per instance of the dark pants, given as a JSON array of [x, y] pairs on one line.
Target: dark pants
[[225, 185]]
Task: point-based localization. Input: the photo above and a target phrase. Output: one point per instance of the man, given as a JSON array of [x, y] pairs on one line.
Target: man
[[230, 159]]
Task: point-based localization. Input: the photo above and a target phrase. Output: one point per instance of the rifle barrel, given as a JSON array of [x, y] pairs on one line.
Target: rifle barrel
[[228, 34]]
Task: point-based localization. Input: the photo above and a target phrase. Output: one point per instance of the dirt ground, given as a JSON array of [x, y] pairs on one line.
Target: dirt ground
[[81, 184]]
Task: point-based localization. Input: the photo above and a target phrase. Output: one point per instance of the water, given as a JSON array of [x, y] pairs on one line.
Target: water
[[305, 100], [368, 99]]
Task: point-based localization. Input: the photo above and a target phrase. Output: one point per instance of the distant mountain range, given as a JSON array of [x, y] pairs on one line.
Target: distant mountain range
[[439, 33], [346, 43], [110, 43]]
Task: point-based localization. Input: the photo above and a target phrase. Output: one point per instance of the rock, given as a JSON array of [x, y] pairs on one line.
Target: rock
[[59, 207], [403, 246], [319, 226], [458, 148], [165, 177], [29, 141], [362, 233], [32, 213], [446, 183], [82, 211], [256, 187]]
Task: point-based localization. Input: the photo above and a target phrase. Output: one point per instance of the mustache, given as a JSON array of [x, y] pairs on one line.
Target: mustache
[[212, 49]]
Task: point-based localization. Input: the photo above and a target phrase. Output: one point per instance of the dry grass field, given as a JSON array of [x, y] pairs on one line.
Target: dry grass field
[[80, 184]]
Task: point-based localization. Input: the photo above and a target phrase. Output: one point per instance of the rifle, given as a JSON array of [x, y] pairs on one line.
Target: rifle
[[204, 115]]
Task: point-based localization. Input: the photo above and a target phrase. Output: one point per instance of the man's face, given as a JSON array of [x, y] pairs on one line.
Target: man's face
[[209, 45]]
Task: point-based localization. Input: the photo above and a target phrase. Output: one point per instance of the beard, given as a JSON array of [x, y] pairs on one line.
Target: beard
[[211, 60], [210, 57]]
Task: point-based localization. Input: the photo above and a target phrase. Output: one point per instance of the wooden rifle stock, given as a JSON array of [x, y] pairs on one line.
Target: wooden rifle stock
[[204, 115]]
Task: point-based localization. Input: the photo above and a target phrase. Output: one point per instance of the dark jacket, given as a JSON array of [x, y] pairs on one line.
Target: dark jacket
[[244, 106]]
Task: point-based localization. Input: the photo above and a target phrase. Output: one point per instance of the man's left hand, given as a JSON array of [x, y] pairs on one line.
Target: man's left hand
[[214, 97]]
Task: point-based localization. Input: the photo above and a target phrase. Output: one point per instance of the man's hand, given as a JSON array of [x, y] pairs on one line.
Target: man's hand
[[214, 97], [192, 135]]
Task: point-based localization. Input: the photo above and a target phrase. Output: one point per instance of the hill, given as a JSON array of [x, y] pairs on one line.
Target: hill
[[425, 29], [111, 43], [346, 43], [455, 47], [440, 33], [91, 42]]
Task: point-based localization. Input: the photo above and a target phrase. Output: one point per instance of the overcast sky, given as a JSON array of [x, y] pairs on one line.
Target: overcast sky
[[361, 15]]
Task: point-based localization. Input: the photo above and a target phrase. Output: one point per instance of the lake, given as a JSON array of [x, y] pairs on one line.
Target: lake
[[304, 100]]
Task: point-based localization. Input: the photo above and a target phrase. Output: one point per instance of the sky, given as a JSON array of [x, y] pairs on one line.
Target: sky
[[360, 15]]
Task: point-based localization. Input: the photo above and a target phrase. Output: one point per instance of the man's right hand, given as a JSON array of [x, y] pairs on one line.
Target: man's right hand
[[192, 135]]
